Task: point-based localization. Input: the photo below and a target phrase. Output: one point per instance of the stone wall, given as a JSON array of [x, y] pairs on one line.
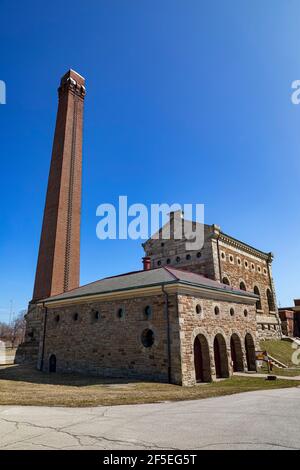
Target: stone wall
[[209, 325], [27, 352], [239, 266], [173, 252], [97, 338]]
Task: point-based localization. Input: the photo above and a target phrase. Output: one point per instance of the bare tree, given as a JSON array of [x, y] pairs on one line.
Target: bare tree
[[15, 331]]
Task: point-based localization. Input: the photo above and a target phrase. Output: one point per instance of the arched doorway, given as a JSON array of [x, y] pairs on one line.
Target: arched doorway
[[220, 355], [52, 363], [201, 359], [236, 353], [250, 352]]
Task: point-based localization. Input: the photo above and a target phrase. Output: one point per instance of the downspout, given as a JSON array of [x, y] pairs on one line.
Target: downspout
[[44, 337], [168, 332]]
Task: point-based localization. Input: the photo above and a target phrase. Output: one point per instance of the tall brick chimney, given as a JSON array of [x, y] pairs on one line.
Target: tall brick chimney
[[58, 260]]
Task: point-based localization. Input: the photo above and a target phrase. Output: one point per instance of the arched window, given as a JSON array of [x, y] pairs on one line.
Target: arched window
[[148, 311], [242, 286], [270, 301], [258, 303], [198, 309], [121, 313], [225, 280]]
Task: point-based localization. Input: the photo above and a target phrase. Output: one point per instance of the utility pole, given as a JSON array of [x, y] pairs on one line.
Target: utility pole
[[10, 312]]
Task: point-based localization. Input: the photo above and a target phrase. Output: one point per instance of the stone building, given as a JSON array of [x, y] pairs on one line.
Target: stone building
[[187, 317], [224, 259], [161, 324]]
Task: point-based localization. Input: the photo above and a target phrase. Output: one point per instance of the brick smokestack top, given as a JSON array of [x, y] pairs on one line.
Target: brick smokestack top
[[58, 260], [147, 263]]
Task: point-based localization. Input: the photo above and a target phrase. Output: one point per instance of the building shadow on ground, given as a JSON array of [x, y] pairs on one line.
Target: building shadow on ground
[[28, 373]]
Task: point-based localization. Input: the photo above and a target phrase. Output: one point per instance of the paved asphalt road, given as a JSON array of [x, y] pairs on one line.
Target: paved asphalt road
[[255, 420]]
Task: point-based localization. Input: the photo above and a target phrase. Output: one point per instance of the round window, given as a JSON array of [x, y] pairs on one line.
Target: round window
[[188, 257], [147, 338]]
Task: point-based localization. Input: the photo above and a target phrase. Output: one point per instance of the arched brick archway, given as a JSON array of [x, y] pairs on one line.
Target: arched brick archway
[[250, 352], [220, 356], [236, 353], [201, 359]]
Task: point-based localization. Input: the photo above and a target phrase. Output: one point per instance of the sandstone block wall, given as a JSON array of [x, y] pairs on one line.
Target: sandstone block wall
[[238, 266], [209, 324], [110, 345]]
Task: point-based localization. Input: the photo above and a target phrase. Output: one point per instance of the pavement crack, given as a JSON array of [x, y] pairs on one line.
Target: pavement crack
[[78, 437]]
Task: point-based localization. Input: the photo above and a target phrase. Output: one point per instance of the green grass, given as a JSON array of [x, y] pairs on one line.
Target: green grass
[[279, 371], [20, 385], [279, 349]]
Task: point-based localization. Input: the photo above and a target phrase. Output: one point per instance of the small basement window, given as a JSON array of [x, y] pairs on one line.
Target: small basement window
[[232, 312], [121, 313], [75, 316], [57, 318], [217, 310], [95, 314]]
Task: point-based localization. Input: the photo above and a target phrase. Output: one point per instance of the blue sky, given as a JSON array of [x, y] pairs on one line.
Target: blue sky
[[187, 101]]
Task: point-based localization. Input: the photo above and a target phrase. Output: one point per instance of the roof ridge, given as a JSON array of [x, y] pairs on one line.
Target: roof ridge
[[169, 269], [190, 272], [130, 272]]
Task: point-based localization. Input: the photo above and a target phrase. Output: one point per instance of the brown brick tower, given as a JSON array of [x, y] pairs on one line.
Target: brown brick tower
[[58, 260]]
